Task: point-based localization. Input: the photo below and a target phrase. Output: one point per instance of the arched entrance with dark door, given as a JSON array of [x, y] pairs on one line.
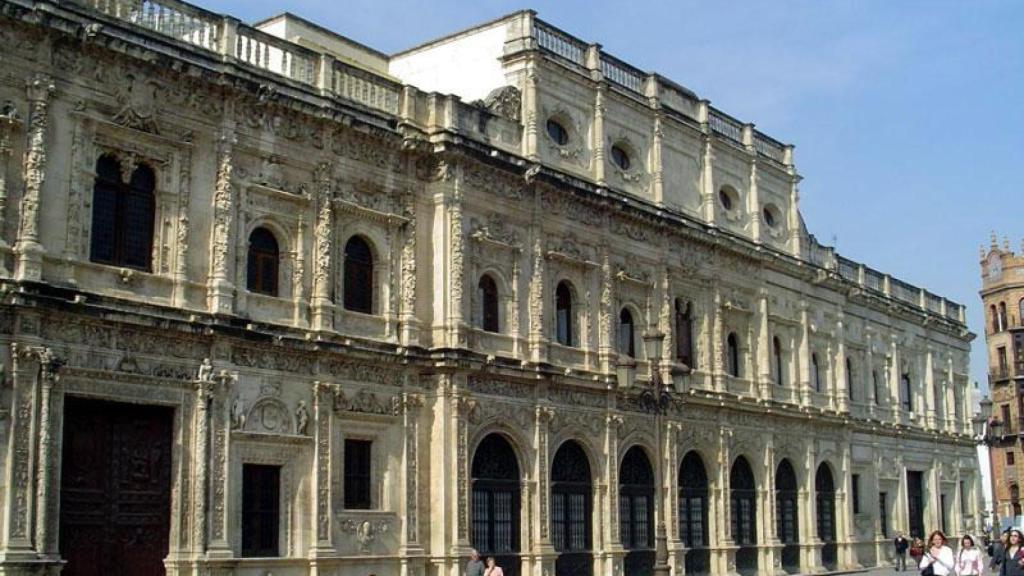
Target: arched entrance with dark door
[[693, 514], [495, 508], [825, 501], [787, 516], [636, 512], [743, 515], [572, 495]]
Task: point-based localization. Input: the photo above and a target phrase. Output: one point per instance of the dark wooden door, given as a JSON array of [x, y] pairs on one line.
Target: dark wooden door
[[115, 488], [915, 503]]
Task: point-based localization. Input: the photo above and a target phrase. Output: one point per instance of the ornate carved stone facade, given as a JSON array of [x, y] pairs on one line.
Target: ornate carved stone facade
[[587, 192]]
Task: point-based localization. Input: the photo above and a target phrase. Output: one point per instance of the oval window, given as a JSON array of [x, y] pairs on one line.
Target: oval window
[[769, 217], [557, 132], [725, 198], [620, 157]]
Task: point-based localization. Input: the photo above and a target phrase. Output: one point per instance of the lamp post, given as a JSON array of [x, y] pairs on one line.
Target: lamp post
[[988, 431], [656, 400]]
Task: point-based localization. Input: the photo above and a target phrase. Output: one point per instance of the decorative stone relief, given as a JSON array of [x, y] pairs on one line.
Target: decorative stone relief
[[136, 97], [365, 532], [367, 402]]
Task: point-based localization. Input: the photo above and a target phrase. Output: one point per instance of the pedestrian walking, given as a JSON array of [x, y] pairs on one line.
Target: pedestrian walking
[[916, 550], [998, 551], [938, 557], [901, 544], [1013, 557], [968, 559], [474, 567], [492, 568]]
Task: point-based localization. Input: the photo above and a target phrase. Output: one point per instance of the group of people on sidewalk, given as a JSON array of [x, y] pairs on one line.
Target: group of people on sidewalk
[[477, 567], [936, 558]]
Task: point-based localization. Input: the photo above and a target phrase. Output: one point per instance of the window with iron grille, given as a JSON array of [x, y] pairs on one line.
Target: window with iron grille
[[122, 215]]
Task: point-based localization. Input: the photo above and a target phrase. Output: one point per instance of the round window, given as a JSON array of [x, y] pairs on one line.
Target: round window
[[557, 132], [725, 198], [620, 157]]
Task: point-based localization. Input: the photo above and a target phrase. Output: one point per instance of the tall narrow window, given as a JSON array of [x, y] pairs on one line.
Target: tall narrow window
[[905, 393], [487, 294], [777, 361], [358, 276], [261, 493], [684, 333], [875, 386], [849, 379], [122, 215], [883, 516], [855, 488], [627, 342], [815, 372], [732, 356], [995, 318], [262, 262], [1003, 324], [1020, 312], [1001, 361], [563, 314], [358, 465]]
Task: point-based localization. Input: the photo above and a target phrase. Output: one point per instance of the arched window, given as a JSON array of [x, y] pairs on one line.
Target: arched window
[[684, 333], [636, 511], [995, 318], [1020, 312], [732, 355], [693, 513], [906, 393], [487, 295], [777, 361], [825, 493], [122, 215], [627, 341], [495, 506], [787, 515], [1015, 500], [571, 509], [358, 276], [563, 314], [743, 515], [264, 255], [1003, 324], [849, 378], [815, 372]]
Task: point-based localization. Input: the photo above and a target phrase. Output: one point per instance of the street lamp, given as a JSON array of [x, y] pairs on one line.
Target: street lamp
[[657, 400]]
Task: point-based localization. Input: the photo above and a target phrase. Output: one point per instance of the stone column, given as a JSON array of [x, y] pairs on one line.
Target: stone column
[[894, 380], [726, 549], [763, 335], [845, 531], [606, 332], [410, 325], [810, 545], [324, 449], [598, 142], [869, 374], [708, 196], [754, 197], [804, 356], [204, 392], [220, 426], [456, 264], [411, 406], [930, 408], [463, 410], [48, 493], [530, 112], [28, 249], [794, 211], [843, 381], [718, 342], [536, 305], [614, 553], [544, 550], [657, 167], [901, 510], [220, 289], [323, 250], [772, 547]]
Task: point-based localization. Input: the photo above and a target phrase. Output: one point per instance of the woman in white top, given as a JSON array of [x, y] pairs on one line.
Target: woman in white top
[[968, 560], [938, 555]]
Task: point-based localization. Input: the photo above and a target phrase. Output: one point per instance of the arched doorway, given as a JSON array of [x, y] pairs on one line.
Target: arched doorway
[[636, 512], [825, 499], [495, 510], [571, 511], [787, 514], [693, 513], [743, 512]]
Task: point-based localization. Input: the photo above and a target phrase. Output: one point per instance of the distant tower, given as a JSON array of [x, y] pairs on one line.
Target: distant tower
[[1002, 294]]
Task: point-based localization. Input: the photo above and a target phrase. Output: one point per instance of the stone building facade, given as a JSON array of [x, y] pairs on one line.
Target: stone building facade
[[276, 302], [1002, 295]]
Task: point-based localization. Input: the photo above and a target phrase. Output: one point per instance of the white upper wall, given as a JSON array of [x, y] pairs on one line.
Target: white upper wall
[[305, 33], [467, 64]]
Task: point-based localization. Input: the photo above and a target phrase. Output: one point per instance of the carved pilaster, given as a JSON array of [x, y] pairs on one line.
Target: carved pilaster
[[323, 236], [657, 167], [464, 408], [457, 278], [543, 417], [613, 424], [323, 401], [204, 392], [410, 326], [220, 426], [9, 124], [606, 337], [536, 301], [412, 403], [599, 109], [530, 112], [182, 231], [718, 342], [46, 505], [30, 252], [764, 373], [220, 288]]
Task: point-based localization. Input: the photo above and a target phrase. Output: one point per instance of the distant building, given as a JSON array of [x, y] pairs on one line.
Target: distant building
[[1002, 295], [274, 302]]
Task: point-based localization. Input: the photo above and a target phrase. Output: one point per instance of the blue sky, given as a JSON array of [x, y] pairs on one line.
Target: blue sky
[[907, 116]]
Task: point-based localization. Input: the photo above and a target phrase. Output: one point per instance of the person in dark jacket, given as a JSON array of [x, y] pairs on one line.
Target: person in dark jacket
[[901, 545], [997, 551], [1013, 556]]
